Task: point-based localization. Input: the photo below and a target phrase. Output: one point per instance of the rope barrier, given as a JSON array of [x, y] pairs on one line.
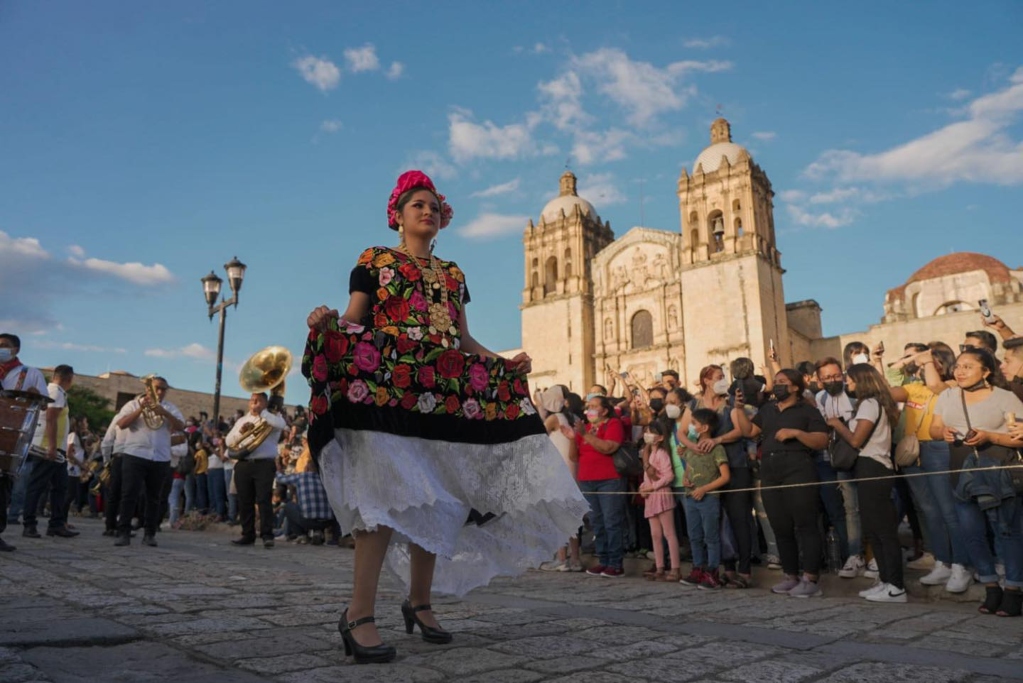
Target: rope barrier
[[754, 489]]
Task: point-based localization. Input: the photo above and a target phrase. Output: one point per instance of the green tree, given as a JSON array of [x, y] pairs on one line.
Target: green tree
[[84, 402]]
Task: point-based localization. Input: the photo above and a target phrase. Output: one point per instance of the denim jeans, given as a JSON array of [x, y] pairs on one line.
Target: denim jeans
[[851, 500], [174, 501], [607, 517], [189, 493], [703, 518], [20, 488], [217, 491], [834, 506], [940, 520], [973, 523]]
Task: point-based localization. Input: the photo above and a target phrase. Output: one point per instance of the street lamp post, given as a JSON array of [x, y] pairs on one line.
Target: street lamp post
[[211, 285]]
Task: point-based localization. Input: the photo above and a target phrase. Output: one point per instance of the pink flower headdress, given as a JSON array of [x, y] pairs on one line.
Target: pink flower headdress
[[411, 180]]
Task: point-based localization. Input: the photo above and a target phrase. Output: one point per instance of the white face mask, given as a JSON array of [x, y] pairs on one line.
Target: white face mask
[[721, 387], [649, 438], [6, 354], [672, 411], [860, 358]]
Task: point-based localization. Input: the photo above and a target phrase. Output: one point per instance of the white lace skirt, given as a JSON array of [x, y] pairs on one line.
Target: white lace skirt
[[425, 490]]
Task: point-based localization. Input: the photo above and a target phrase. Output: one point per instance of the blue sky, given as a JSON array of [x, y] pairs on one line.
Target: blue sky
[[143, 144]]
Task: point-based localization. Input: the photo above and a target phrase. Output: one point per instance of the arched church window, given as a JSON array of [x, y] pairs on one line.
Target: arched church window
[[716, 228], [738, 227], [536, 280], [550, 282], [953, 307], [736, 206], [642, 330], [568, 263]]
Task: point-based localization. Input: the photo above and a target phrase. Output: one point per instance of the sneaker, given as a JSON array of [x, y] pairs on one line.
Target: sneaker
[[650, 555], [852, 568], [871, 572], [709, 582], [573, 567], [30, 532], [773, 562], [889, 593], [596, 570], [960, 580], [938, 576], [785, 586], [806, 589], [613, 572], [554, 566], [925, 561], [694, 578], [873, 589]]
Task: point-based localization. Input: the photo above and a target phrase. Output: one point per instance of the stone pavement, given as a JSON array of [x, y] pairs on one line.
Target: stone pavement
[[199, 610]]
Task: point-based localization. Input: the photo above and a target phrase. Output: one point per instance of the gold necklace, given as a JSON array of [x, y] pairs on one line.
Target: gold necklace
[[438, 313]]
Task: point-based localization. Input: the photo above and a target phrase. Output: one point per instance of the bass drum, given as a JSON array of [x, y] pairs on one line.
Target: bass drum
[[19, 415]]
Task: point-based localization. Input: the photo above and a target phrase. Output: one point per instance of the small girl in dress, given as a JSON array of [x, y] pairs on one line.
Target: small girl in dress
[[659, 501]]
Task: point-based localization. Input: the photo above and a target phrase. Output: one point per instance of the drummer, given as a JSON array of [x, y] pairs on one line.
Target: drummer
[[15, 376]]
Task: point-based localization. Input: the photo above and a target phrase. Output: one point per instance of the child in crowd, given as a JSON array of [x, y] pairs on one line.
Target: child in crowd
[[706, 470], [659, 508]]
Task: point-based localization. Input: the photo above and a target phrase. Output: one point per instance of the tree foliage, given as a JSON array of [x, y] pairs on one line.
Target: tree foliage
[[84, 402]]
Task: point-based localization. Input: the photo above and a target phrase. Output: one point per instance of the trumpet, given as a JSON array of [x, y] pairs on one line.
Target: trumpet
[[152, 419], [265, 370], [89, 469], [102, 479]]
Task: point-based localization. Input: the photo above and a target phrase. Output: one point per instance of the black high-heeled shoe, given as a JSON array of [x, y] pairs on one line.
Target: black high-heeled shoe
[[377, 654], [992, 600], [437, 636], [1012, 604]]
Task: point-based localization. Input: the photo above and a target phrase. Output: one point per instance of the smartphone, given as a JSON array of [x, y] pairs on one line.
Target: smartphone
[[771, 342], [985, 311], [658, 377], [624, 375], [880, 347]]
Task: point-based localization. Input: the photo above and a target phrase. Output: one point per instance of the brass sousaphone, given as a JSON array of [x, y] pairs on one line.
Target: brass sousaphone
[[265, 370]]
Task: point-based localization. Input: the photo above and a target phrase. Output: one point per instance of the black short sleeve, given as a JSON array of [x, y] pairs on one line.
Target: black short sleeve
[[364, 277]]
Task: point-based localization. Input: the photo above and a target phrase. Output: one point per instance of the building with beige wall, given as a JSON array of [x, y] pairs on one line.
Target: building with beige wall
[[712, 291]]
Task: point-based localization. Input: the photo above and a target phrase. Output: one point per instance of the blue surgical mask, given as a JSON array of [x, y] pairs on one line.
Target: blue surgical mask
[[6, 354]]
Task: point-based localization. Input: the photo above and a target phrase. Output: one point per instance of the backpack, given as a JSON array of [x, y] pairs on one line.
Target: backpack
[[186, 465]]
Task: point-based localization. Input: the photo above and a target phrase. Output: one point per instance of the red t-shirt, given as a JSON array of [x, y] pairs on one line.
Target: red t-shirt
[[594, 465]]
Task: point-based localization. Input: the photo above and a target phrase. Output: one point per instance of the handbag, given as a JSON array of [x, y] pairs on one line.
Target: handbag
[[1014, 461], [843, 453], [907, 451], [627, 460]]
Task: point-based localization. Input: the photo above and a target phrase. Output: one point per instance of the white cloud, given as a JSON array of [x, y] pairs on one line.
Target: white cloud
[[495, 190], [958, 94], [431, 163], [318, 71], [395, 71], [24, 247], [469, 140], [195, 351], [561, 100], [979, 149], [134, 272], [826, 219], [361, 59], [599, 147], [539, 49], [602, 189], [76, 251], [765, 135], [493, 225], [69, 346], [792, 196], [705, 43], [641, 89], [330, 126]]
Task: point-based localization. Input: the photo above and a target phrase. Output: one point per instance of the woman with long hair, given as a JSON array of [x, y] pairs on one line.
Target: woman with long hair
[[870, 432], [792, 431], [974, 419], [554, 402]]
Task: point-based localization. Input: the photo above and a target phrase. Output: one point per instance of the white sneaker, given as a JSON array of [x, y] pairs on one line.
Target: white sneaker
[[554, 566], [889, 594], [871, 572], [873, 589], [852, 567], [925, 561], [939, 575], [960, 580]]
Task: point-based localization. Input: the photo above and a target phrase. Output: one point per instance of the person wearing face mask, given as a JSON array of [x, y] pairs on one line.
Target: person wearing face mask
[[855, 352], [974, 419], [736, 502], [793, 431], [554, 402], [659, 503], [603, 488]]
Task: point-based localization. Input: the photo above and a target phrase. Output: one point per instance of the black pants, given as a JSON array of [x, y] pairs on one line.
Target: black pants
[[75, 489], [877, 519], [112, 493], [165, 490], [138, 474], [6, 484], [46, 473], [254, 480], [299, 525], [793, 512], [738, 509]]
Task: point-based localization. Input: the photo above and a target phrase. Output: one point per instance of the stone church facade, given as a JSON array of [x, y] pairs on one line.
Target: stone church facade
[[711, 291]]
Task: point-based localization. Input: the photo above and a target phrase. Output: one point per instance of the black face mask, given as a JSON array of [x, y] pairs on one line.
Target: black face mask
[[912, 368], [781, 391], [815, 387], [982, 384], [850, 393], [834, 388], [657, 404]]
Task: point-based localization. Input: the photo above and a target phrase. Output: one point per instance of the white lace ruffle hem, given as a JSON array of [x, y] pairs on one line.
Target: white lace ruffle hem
[[425, 489]]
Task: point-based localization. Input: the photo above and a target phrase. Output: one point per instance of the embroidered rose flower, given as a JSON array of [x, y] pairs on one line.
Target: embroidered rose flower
[[417, 301], [397, 308], [410, 272], [427, 402], [512, 411], [382, 259], [335, 346], [382, 397], [415, 333], [478, 376], [502, 392], [427, 376], [320, 368], [471, 409], [451, 404], [358, 391], [450, 364], [409, 400], [401, 376], [366, 357], [405, 344], [491, 411], [318, 405], [527, 407], [386, 275]]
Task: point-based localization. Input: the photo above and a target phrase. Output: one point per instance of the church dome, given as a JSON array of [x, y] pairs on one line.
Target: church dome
[[954, 264], [721, 146], [566, 201]]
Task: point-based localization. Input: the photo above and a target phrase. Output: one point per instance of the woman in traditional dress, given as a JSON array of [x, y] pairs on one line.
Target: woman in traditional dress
[[424, 437]]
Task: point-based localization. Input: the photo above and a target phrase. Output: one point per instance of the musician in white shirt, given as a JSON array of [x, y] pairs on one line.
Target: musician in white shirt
[[254, 473], [110, 450], [49, 455], [145, 459]]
